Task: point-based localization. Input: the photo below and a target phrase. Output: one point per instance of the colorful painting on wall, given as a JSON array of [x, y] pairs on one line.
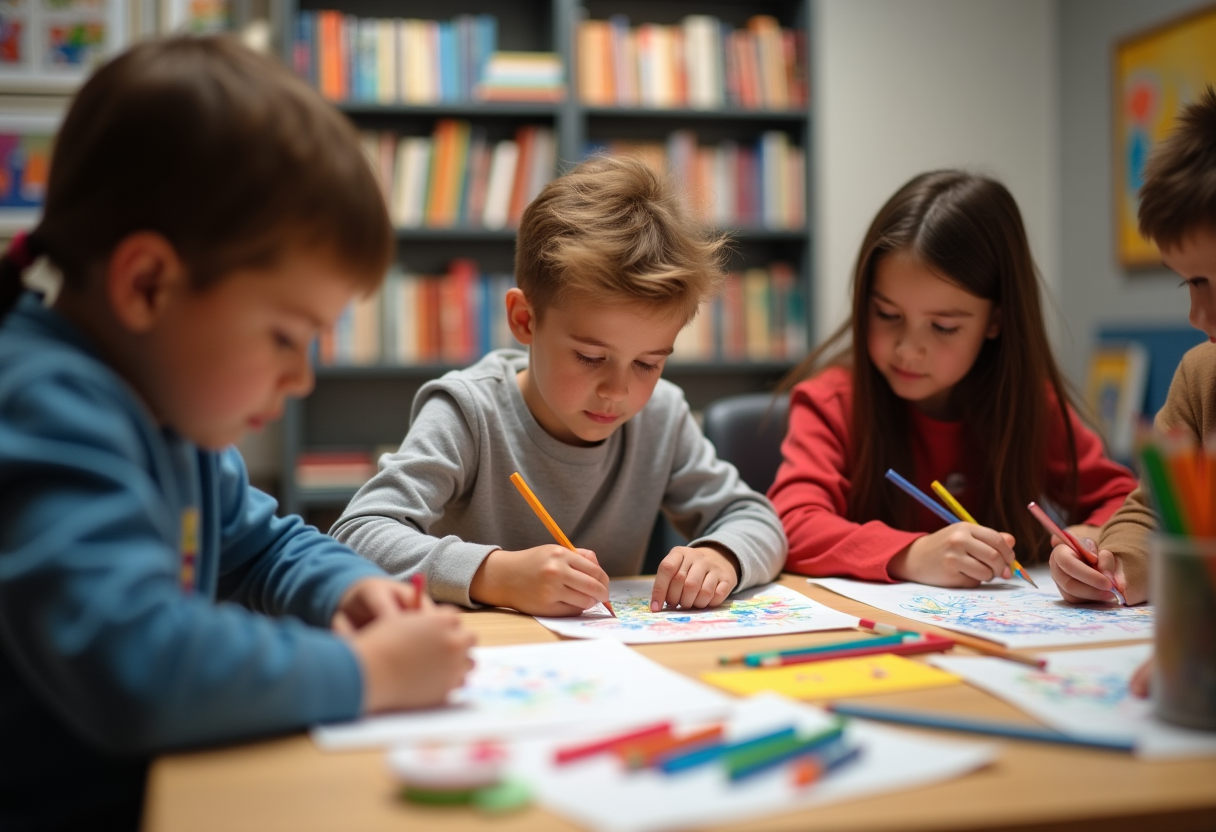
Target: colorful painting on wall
[[1156, 73]]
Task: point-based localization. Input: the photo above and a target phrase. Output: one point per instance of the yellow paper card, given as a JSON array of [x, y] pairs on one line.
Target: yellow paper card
[[858, 676]]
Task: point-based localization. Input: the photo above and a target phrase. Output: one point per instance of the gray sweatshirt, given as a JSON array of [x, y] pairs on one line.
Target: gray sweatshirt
[[445, 501]]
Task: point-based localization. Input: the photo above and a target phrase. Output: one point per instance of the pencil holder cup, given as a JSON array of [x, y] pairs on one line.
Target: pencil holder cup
[[1183, 590]]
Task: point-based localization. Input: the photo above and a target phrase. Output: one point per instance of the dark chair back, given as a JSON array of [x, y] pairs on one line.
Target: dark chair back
[[747, 431]]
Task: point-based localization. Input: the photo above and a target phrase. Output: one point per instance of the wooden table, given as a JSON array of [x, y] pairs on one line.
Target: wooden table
[[288, 784]]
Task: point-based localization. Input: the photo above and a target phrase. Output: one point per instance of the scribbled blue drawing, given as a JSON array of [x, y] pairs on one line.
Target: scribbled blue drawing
[[1103, 689], [523, 688], [760, 610], [1025, 613]]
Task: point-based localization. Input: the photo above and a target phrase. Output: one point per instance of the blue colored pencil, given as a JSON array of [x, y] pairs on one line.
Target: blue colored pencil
[[921, 497], [976, 726], [681, 760], [757, 659]]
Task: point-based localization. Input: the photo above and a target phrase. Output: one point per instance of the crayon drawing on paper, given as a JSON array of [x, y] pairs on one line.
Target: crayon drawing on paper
[[1003, 611], [764, 610]]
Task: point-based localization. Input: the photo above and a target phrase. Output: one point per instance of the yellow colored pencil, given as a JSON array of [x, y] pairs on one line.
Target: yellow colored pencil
[[549, 522], [957, 507]]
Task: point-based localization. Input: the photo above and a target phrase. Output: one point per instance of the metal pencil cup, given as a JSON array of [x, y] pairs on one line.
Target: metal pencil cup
[[1183, 589]]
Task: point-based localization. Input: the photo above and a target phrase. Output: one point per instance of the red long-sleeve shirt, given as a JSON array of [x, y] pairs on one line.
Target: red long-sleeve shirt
[[811, 490]]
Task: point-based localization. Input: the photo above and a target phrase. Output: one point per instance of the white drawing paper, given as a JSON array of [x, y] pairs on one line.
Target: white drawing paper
[[1007, 612], [600, 794], [1084, 693], [531, 689], [767, 610]]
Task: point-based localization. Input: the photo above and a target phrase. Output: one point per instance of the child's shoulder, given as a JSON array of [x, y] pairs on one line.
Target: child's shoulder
[[1200, 363], [57, 394], [488, 384], [42, 355], [832, 385]]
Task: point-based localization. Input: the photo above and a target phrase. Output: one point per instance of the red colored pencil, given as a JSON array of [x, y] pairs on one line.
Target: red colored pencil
[[577, 752]]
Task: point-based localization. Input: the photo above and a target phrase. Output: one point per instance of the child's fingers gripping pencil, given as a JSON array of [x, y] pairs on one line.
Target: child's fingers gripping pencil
[[1074, 544], [549, 522], [957, 507]]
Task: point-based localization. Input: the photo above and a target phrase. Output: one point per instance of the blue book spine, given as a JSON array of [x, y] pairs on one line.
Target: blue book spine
[[368, 59], [487, 42], [448, 63]]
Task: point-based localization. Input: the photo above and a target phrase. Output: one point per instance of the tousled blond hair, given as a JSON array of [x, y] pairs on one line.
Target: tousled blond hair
[[614, 231]]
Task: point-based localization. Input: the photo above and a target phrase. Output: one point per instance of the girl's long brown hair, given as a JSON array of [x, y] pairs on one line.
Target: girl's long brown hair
[[968, 228]]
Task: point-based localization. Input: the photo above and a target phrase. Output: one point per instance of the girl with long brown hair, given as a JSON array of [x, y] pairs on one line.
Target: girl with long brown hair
[[948, 376]]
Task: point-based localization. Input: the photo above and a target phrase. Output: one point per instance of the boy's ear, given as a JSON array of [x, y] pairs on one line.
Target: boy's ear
[[994, 324], [142, 276], [520, 316]]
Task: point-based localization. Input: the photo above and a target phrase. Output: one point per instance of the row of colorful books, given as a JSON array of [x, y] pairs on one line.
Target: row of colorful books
[[731, 184], [760, 315], [701, 63], [456, 317], [457, 177], [412, 61]]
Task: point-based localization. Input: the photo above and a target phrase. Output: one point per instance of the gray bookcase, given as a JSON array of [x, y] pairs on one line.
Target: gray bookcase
[[361, 406]]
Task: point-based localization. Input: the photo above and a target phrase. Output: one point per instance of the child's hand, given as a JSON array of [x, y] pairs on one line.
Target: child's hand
[[1081, 583], [962, 554], [544, 580], [413, 659], [700, 577], [369, 600]]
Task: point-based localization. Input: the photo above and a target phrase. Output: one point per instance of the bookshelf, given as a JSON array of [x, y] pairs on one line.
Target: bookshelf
[[364, 406]]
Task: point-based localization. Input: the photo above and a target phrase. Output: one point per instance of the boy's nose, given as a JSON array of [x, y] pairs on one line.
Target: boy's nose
[[613, 388]]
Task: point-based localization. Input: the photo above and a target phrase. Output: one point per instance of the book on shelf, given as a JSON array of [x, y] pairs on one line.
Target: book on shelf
[[456, 178], [730, 184], [450, 319], [760, 316], [701, 63], [334, 469], [455, 318], [522, 76], [412, 61]]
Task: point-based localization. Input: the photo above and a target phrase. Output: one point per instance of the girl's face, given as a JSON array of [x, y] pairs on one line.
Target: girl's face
[[925, 332]]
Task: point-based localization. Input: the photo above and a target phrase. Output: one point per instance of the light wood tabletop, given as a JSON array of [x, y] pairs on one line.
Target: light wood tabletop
[[287, 783]]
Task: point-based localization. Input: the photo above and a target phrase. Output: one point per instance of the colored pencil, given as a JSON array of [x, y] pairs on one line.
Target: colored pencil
[[418, 581], [921, 497], [977, 645], [755, 658], [957, 508], [600, 746], [746, 762], [1012, 730], [1074, 544], [550, 523], [670, 764], [643, 753], [928, 644], [815, 767]]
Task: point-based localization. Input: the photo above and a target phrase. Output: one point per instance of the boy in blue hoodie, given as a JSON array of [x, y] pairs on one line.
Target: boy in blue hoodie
[[209, 214]]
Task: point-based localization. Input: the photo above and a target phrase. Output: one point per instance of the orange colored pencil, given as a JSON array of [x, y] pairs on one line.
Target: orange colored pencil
[[549, 522]]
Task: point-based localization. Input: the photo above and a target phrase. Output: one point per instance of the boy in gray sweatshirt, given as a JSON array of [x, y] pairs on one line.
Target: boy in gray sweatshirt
[[610, 267]]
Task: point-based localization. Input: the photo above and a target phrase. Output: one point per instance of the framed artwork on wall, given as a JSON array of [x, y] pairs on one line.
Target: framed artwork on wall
[[52, 45], [25, 157], [1156, 72]]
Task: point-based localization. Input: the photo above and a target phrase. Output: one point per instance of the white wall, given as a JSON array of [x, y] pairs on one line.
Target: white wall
[[904, 87]]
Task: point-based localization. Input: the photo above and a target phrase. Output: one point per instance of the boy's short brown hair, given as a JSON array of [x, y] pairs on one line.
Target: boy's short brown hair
[[1179, 192], [614, 231]]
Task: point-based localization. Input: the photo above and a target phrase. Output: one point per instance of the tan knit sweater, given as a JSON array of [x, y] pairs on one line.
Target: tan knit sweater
[[1190, 406]]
